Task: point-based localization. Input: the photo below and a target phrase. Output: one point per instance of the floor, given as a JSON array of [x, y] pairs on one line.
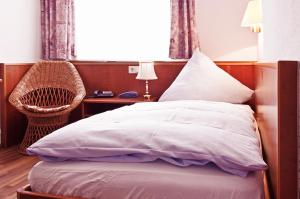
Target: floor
[[14, 168]]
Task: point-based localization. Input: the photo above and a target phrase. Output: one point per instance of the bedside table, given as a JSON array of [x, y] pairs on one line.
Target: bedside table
[[91, 106]]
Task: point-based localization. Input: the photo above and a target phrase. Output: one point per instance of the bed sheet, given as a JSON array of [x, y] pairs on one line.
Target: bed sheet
[[153, 180]]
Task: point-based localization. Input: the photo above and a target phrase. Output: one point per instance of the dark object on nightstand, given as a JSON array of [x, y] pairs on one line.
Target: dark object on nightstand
[[98, 93], [129, 94]]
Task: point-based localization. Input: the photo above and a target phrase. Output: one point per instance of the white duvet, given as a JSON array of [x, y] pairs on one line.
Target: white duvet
[[180, 132]]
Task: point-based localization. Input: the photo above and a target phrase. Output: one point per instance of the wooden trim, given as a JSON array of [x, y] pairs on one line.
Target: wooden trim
[[13, 123], [180, 62], [2, 108], [266, 187], [117, 100], [235, 63], [26, 193], [267, 65], [160, 62]]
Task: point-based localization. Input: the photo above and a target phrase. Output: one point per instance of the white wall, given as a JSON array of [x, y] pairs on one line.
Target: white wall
[[280, 38], [20, 31], [221, 35]]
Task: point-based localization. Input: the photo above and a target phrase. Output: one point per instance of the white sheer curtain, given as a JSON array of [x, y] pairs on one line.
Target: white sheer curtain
[[122, 29]]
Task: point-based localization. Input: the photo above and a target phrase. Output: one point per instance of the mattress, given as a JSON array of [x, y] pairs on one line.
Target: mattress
[[151, 180]]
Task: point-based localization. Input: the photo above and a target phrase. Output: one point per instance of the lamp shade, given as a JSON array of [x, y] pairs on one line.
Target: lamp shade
[[146, 71], [252, 14]]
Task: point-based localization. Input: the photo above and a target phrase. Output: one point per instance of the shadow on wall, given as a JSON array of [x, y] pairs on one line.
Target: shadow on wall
[[248, 54], [220, 32]]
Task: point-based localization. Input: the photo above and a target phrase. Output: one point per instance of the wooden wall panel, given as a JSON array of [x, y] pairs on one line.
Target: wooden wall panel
[[104, 76], [114, 75], [266, 116], [2, 105], [13, 123], [242, 71]]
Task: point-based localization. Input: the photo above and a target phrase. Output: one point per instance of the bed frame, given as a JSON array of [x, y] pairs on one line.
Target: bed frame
[[275, 104], [276, 113]]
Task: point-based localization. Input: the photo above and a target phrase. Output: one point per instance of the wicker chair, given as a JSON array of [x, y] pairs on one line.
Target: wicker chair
[[47, 94]]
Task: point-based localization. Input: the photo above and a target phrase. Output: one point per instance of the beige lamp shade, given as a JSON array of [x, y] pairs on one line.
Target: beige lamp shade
[[253, 14], [146, 71]]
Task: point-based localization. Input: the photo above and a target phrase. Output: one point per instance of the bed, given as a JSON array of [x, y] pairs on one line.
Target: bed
[[270, 98], [148, 135]]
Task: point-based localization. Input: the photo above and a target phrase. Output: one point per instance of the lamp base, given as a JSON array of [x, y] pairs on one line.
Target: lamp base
[[147, 96], [255, 28]]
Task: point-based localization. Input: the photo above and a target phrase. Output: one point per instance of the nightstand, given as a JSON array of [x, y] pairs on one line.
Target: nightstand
[[91, 106]]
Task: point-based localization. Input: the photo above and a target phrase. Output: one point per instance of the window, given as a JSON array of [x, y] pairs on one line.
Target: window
[[122, 29]]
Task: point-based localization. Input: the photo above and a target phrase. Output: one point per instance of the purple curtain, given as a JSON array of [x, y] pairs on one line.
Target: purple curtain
[[184, 36], [57, 28]]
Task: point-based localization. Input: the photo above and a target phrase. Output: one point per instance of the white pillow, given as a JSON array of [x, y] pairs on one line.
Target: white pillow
[[202, 79]]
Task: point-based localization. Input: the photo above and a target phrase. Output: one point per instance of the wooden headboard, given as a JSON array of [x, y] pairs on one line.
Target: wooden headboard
[[275, 103], [276, 113], [114, 75]]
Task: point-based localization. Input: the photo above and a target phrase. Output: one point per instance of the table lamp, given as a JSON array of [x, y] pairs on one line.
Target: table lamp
[[146, 72], [253, 16]]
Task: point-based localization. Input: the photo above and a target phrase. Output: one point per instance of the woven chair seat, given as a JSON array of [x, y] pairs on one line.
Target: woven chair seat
[[47, 94], [37, 109]]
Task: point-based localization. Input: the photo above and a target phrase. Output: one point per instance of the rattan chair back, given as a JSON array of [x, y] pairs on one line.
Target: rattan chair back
[[47, 84]]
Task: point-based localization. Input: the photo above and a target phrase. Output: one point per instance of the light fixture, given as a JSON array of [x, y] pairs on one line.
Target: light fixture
[[146, 72], [253, 16]]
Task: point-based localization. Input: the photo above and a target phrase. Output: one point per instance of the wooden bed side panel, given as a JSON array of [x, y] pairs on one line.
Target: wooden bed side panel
[[287, 129], [266, 116], [276, 112]]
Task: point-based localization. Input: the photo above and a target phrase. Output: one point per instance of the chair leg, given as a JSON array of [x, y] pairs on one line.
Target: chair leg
[[40, 127], [34, 133]]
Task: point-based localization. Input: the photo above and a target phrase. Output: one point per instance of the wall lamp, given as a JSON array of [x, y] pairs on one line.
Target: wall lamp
[[253, 16]]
